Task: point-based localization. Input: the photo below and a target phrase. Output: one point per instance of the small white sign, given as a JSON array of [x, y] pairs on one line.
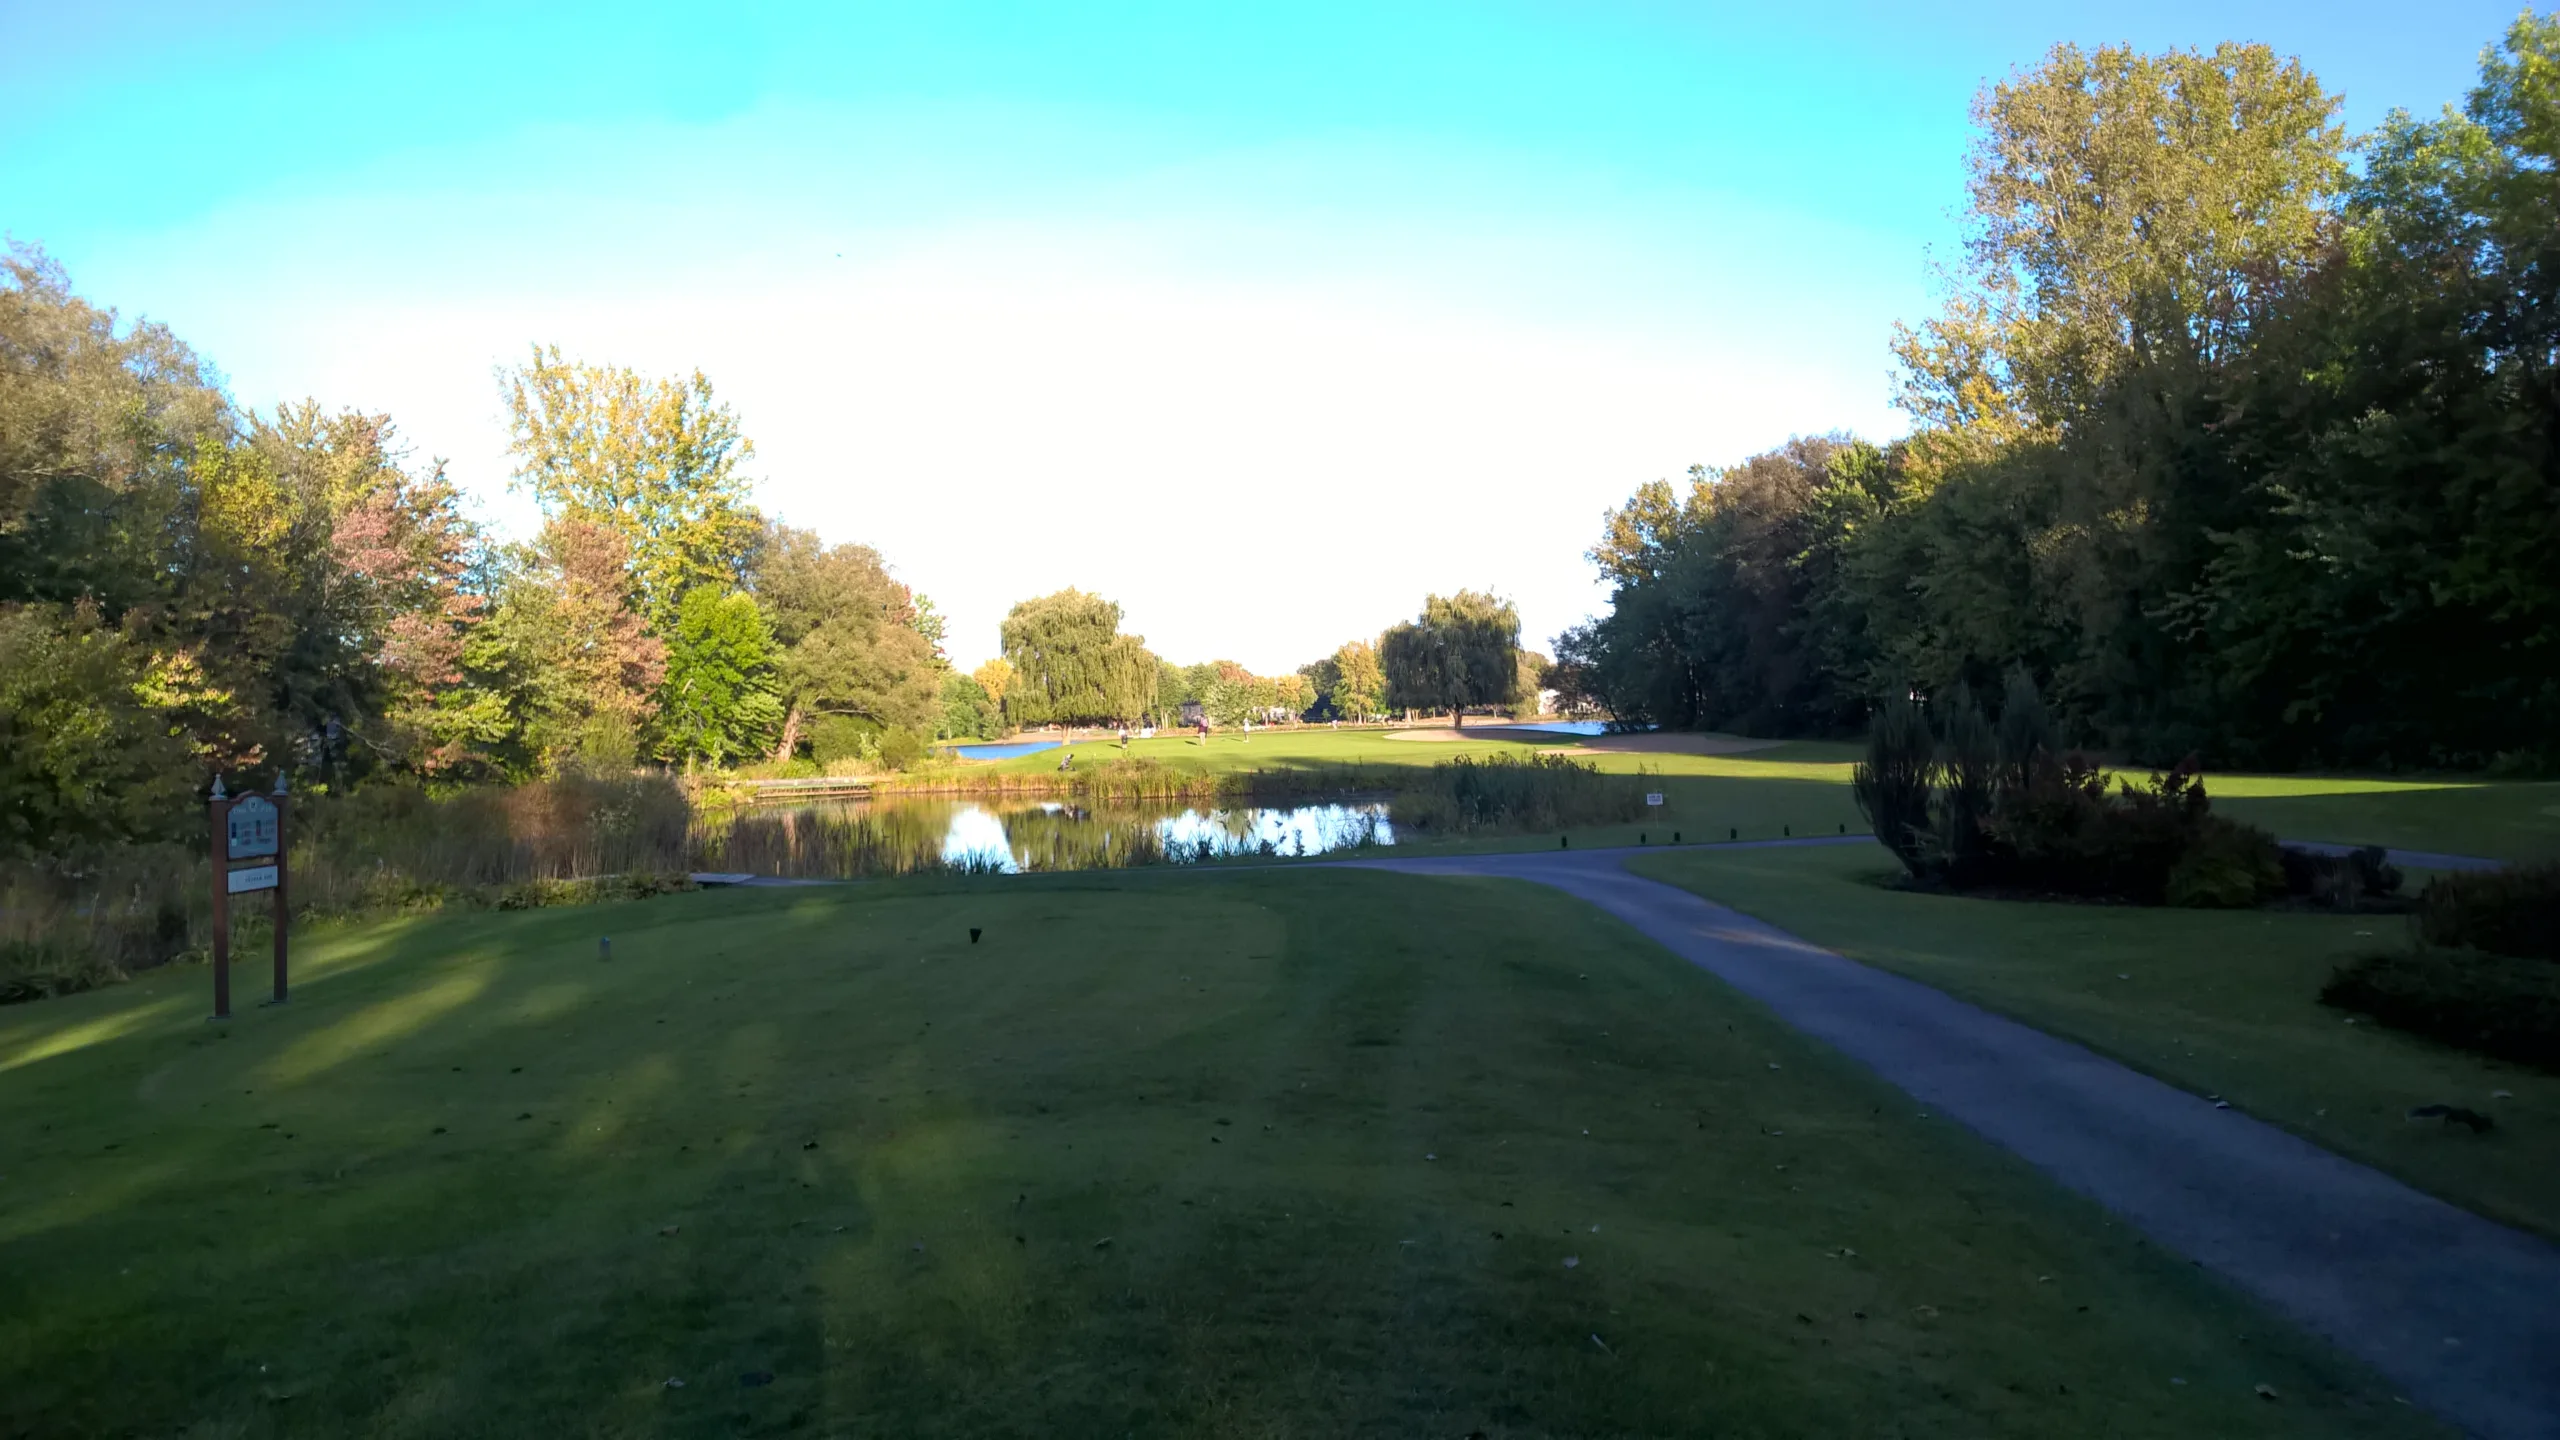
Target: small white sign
[[255, 877], [1653, 797]]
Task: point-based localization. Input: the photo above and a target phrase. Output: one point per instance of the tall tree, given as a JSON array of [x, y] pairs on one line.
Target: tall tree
[[83, 756], [1360, 686], [1459, 652], [996, 678], [966, 710], [851, 639], [655, 459], [295, 588], [1072, 665], [720, 704], [2123, 207], [564, 671]]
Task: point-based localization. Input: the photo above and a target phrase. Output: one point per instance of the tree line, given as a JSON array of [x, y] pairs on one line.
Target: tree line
[[190, 587], [2233, 445], [1066, 661]]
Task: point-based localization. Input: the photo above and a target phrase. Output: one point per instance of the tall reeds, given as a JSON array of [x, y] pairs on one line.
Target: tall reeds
[[68, 922], [1535, 792]]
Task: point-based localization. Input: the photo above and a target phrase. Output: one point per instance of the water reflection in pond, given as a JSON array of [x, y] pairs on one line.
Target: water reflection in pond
[[853, 839]]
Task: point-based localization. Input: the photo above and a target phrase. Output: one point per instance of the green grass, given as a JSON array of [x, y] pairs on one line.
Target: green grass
[[2502, 820], [476, 1180], [2221, 1003]]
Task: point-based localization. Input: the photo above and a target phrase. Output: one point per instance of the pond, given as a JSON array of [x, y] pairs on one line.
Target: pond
[[1003, 750], [1560, 727], [850, 840]]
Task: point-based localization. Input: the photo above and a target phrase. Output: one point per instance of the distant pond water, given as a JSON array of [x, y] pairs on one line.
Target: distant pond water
[[1004, 750], [847, 840]]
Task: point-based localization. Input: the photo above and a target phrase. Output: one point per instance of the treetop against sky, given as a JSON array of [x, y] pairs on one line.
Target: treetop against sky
[[1258, 322]]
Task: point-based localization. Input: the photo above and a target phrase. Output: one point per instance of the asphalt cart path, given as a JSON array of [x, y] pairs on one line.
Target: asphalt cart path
[[2460, 1311]]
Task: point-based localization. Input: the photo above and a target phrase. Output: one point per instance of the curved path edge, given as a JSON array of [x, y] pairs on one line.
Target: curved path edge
[[2461, 1312]]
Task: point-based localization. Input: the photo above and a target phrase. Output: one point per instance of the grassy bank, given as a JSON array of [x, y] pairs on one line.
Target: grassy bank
[[73, 922], [2220, 1003], [1803, 787], [1264, 1153]]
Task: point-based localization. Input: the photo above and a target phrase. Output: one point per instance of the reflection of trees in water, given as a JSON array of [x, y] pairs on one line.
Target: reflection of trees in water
[[850, 841], [1069, 838]]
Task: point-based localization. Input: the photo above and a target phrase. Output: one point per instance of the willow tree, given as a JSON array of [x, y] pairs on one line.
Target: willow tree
[[1461, 651], [1071, 664]]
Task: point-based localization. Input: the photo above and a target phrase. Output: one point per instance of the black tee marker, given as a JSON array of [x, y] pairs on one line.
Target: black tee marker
[[973, 934]]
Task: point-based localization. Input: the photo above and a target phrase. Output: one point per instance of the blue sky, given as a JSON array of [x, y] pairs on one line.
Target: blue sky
[[1263, 321]]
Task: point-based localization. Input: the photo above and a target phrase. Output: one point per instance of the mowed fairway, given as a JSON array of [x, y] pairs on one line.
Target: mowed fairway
[[1252, 1153]]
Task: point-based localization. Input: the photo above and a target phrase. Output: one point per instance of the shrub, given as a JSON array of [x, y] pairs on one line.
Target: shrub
[[2026, 731], [41, 969], [2501, 1006], [540, 894], [2065, 831], [1892, 785], [2228, 866], [2345, 881], [2514, 911], [1533, 792], [93, 916], [834, 739], [901, 747], [1968, 768]]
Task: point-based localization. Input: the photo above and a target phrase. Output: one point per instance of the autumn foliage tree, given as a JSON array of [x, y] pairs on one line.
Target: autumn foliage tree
[[656, 460]]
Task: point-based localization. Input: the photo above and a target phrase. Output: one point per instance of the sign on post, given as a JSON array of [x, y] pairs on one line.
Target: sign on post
[[1653, 797], [250, 828], [253, 829]]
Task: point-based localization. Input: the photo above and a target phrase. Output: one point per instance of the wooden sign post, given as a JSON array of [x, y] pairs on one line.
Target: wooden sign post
[[247, 829]]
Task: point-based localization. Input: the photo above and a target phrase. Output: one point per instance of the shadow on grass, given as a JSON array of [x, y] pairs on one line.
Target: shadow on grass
[[1156, 1153]]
